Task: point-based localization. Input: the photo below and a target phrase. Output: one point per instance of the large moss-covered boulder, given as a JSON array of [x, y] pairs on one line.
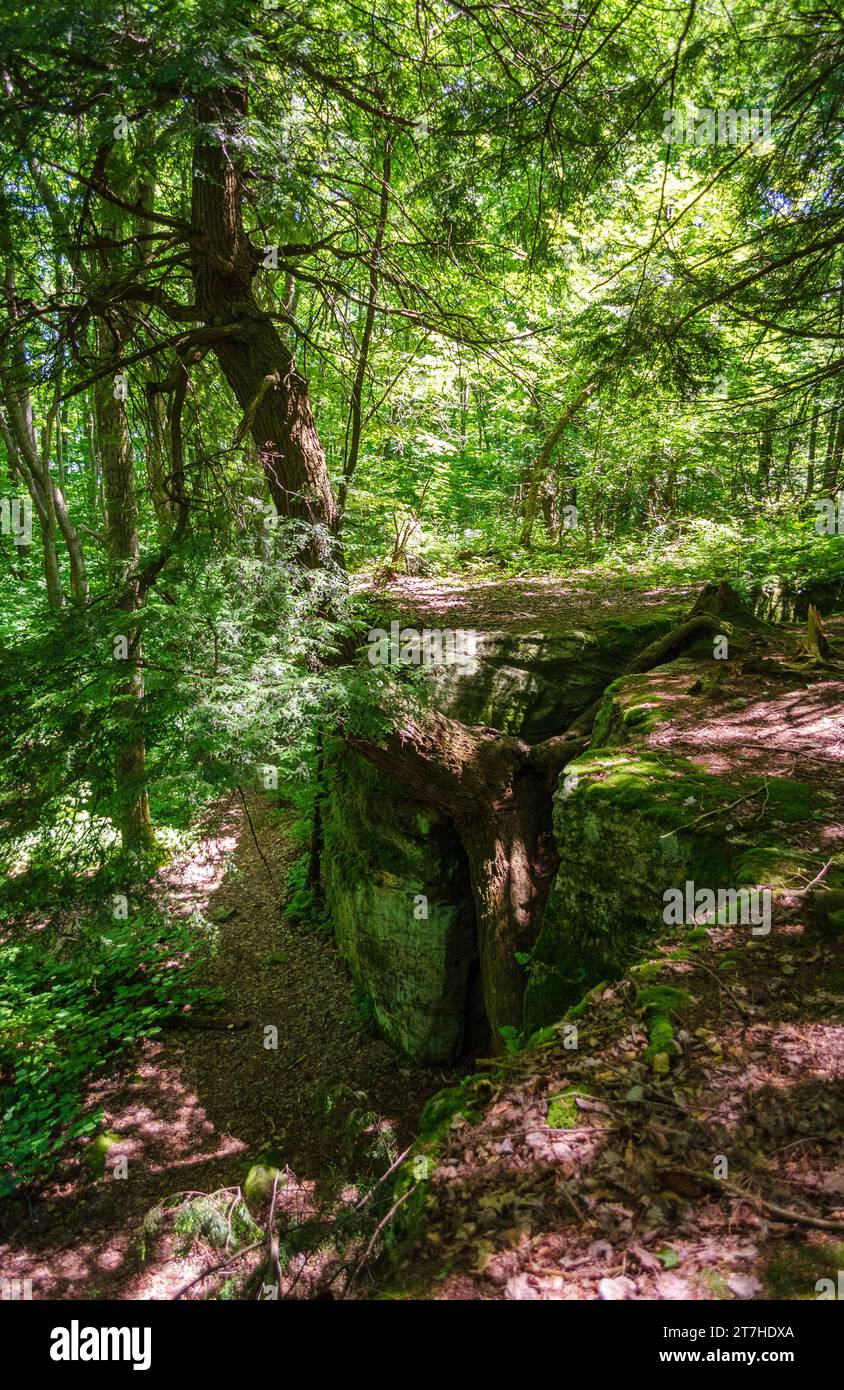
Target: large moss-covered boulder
[[396, 885], [394, 873], [632, 821], [534, 684]]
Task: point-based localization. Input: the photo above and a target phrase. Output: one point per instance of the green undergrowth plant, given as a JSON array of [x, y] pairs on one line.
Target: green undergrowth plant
[[61, 1019], [660, 1004], [360, 1014]]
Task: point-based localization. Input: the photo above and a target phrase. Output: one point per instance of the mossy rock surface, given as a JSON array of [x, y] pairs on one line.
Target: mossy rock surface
[[258, 1187], [562, 1109], [534, 683], [396, 886], [385, 855], [97, 1152], [636, 823], [466, 1099]]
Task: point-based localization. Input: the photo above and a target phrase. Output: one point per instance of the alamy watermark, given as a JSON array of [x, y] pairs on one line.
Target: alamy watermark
[[16, 519], [830, 518], [723, 907], [704, 125], [83, 1343], [430, 647]]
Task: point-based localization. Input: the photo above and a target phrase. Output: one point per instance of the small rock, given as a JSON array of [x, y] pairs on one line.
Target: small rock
[[615, 1289], [258, 1187], [744, 1285], [520, 1287]]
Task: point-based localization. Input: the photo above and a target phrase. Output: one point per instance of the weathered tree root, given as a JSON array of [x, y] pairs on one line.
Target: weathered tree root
[[498, 791], [798, 1218]]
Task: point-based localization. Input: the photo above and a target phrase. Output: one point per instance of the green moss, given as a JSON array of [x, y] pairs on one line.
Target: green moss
[[98, 1150], [561, 975], [632, 707], [663, 999], [716, 1283], [562, 1108], [467, 1099], [635, 825], [661, 1037], [797, 1266], [659, 1001], [542, 1037], [396, 889], [836, 922], [773, 867], [648, 970], [258, 1187]]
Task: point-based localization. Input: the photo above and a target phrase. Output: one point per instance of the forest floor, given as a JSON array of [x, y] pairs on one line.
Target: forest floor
[[620, 1197], [626, 1194], [577, 1169], [547, 604], [194, 1109]]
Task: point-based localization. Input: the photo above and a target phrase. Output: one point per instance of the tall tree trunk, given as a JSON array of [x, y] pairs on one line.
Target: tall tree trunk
[[355, 423], [766, 454], [20, 462], [813, 444], [499, 795], [133, 812], [254, 359], [832, 474], [543, 458], [550, 510], [832, 430], [34, 459], [124, 553]]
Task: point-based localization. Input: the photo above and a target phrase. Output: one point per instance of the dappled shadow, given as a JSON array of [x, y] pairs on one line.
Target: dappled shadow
[[193, 1109], [660, 1185], [549, 605]]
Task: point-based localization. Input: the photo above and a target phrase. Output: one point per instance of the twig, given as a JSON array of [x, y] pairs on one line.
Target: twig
[[255, 838], [742, 1008], [272, 1237], [782, 1213], [392, 1168], [818, 877], [212, 1269], [765, 802], [376, 1233], [717, 810]]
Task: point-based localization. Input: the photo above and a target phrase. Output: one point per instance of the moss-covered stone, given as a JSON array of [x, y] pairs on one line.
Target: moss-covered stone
[[635, 824], [97, 1152], [534, 684], [663, 999], [635, 705], [562, 1109], [394, 874], [258, 1187], [396, 886], [466, 1099]]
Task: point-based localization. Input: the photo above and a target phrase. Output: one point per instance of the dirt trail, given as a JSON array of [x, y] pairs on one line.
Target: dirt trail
[[193, 1108]]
